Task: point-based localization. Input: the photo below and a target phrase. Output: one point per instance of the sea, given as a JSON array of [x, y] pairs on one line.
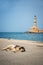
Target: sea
[[22, 36]]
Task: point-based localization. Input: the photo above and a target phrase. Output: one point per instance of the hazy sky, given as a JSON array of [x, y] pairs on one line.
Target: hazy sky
[[18, 15]]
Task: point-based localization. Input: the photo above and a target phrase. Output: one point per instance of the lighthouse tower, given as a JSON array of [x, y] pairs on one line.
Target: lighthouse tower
[[34, 28], [35, 21]]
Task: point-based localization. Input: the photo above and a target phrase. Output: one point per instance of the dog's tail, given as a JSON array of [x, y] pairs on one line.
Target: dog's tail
[[3, 49]]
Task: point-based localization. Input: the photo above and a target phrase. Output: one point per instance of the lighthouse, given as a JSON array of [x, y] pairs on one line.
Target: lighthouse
[[34, 28]]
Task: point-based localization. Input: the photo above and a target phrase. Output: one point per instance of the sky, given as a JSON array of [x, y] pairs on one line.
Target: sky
[[18, 15]]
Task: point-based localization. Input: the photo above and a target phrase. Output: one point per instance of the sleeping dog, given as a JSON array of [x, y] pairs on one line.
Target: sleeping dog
[[14, 48]]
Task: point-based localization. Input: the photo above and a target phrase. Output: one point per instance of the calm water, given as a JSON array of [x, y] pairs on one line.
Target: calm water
[[22, 36]]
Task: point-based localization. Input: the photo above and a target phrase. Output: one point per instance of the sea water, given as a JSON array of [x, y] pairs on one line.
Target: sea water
[[22, 36]]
